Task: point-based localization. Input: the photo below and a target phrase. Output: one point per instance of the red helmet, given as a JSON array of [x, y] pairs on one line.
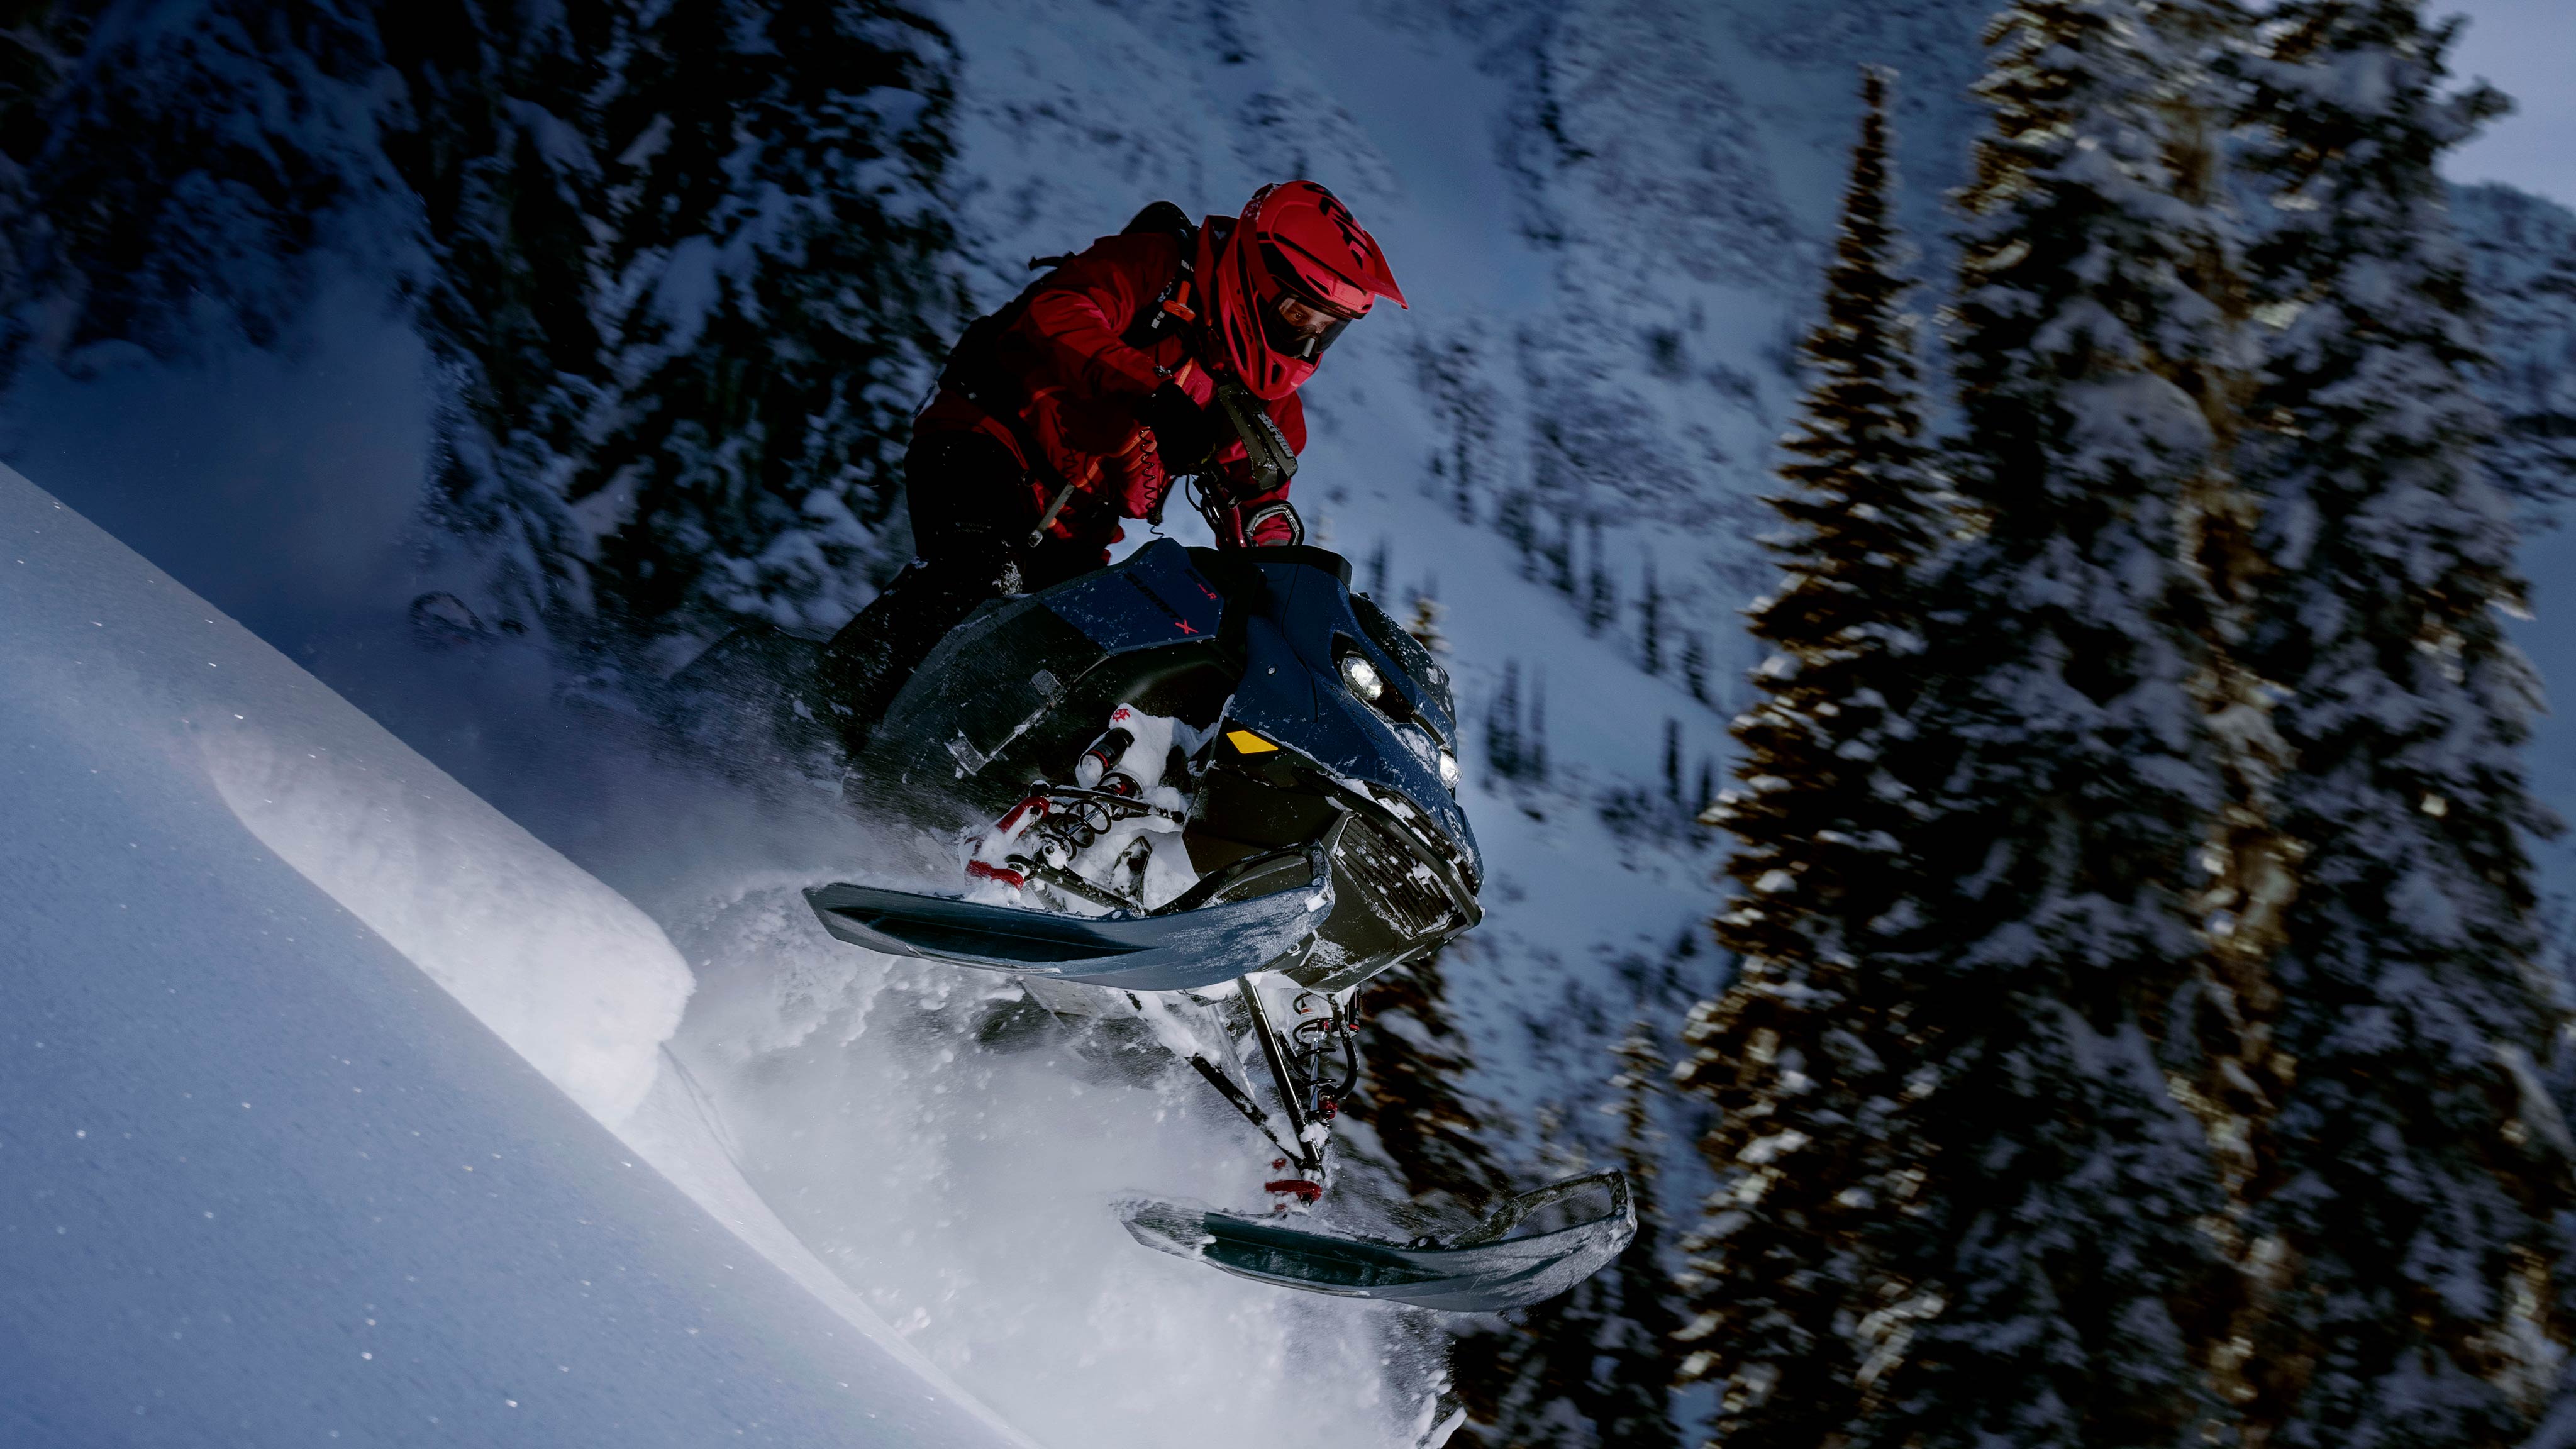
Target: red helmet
[[1297, 245]]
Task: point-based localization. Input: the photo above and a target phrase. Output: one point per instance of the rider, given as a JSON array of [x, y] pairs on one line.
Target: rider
[[1081, 402]]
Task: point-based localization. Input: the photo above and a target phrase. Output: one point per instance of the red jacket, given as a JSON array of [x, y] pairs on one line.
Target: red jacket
[[1082, 384]]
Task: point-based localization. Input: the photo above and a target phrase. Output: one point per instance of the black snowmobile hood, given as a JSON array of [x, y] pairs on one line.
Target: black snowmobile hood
[[1253, 644], [1298, 620]]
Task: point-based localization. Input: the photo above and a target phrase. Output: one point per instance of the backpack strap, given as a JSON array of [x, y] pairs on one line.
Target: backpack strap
[[971, 371], [1176, 306]]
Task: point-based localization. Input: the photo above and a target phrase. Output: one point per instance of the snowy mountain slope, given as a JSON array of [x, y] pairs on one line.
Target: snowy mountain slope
[[265, 1181]]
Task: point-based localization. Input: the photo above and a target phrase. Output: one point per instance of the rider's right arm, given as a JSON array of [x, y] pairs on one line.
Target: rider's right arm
[[1074, 323]]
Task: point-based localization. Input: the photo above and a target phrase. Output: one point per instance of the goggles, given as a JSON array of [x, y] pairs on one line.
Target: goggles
[[1297, 323]]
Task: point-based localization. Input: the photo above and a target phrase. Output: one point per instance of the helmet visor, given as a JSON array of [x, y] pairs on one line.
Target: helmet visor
[[1297, 327], [1299, 321]]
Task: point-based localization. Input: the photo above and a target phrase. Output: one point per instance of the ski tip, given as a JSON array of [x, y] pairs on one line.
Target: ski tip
[[1179, 1229]]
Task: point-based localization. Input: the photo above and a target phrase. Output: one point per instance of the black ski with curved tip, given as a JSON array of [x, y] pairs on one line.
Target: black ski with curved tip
[[1483, 1270]]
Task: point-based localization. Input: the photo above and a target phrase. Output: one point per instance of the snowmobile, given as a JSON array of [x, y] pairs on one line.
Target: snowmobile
[[1212, 793]]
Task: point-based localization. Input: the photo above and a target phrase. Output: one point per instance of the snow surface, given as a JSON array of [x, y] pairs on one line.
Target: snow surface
[[562, 968], [265, 1183]]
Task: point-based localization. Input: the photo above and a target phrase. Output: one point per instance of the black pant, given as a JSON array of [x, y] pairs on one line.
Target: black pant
[[973, 512]]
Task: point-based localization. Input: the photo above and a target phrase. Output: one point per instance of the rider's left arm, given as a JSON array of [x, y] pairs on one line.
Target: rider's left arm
[[1076, 323]]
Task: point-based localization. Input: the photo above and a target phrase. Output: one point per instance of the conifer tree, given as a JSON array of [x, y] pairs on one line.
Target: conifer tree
[[775, 168], [1600, 595], [1424, 1134], [2522, 269], [2066, 1189], [681, 266], [1796, 1054], [1424, 626], [1534, 739], [39, 45], [1592, 1368], [175, 164], [1639, 1358], [2410, 1179], [1514, 518], [1650, 622], [2218, 1047], [493, 135], [1503, 724]]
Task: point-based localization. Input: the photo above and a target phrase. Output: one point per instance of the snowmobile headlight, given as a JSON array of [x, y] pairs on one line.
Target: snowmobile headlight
[[1449, 770], [1362, 677]]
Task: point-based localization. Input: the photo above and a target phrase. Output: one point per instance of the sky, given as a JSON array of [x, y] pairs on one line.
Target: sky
[[2523, 47]]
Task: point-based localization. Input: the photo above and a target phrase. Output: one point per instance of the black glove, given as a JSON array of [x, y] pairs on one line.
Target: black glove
[[1184, 432]]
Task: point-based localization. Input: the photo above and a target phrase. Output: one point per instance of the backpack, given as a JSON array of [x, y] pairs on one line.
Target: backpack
[[973, 369]]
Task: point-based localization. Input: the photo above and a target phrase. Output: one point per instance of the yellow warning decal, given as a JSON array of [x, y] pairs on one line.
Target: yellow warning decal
[[1248, 742]]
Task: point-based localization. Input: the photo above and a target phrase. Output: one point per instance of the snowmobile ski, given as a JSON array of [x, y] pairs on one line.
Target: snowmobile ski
[[1481, 1270], [1182, 947]]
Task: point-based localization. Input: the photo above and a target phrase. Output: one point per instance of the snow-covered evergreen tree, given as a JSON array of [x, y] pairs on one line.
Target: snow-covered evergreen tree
[[1801, 1055], [1423, 1131], [1638, 1356], [781, 302], [683, 266], [1592, 1368], [179, 168], [2409, 1185], [689, 283], [40, 43], [2218, 1047], [494, 138], [1424, 626], [2060, 1220]]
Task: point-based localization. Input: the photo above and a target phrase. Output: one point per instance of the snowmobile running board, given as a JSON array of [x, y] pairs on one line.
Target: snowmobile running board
[[1478, 1271], [1182, 948]]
